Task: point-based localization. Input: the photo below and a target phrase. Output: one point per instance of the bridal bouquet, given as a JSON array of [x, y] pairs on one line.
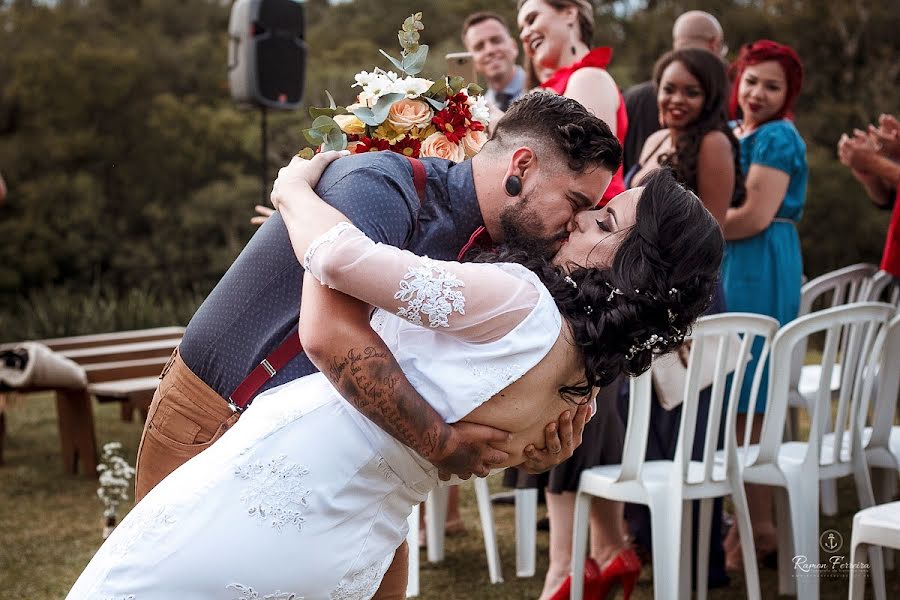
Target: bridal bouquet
[[405, 113]]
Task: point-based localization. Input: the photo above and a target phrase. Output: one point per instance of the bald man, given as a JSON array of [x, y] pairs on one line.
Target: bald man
[[693, 29]]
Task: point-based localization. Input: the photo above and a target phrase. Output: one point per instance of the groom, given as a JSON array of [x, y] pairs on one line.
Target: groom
[[548, 159]]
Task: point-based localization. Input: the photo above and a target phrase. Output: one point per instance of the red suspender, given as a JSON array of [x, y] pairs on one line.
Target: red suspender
[[288, 349]]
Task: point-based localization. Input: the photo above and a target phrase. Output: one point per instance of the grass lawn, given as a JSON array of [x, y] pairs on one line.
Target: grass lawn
[[50, 524]]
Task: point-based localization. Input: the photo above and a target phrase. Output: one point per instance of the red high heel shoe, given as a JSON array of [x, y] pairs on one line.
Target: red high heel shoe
[[624, 568], [592, 579]]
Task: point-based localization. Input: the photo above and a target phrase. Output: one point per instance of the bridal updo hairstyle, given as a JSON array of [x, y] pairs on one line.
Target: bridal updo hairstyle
[[661, 280]]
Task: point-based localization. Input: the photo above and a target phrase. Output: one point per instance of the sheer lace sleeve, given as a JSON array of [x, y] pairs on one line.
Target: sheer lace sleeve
[[473, 301]]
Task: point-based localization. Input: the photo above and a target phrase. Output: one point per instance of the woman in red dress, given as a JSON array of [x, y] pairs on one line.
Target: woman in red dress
[[556, 36]]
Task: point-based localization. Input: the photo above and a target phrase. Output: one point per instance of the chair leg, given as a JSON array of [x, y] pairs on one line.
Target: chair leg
[[412, 539], [526, 532], [857, 576], [579, 543], [483, 496], [435, 522], [665, 534], [828, 493], [748, 547], [703, 534], [867, 499], [787, 583], [803, 504], [884, 487], [683, 568]]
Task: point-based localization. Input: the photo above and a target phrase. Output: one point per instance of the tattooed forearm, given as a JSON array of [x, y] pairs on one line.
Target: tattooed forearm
[[371, 380]]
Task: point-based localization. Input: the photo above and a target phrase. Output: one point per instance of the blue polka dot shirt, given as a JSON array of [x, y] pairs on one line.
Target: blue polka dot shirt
[[257, 303]]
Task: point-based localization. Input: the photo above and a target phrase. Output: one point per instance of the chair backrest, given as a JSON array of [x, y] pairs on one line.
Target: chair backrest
[[884, 288], [858, 324], [836, 288], [711, 337], [883, 376]]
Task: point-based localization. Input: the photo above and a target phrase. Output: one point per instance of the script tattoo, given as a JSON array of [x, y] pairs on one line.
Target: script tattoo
[[371, 380]]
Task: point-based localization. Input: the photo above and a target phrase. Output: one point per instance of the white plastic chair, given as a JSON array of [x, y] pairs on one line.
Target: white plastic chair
[[796, 468], [875, 526], [526, 531], [836, 288], [883, 284], [667, 487], [436, 520], [881, 438]]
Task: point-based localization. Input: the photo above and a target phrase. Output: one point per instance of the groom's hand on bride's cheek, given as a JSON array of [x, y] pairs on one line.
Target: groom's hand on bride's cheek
[[470, 450], [560, 440]]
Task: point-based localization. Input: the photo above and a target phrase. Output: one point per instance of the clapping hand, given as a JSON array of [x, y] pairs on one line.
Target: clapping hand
[[886, 137]]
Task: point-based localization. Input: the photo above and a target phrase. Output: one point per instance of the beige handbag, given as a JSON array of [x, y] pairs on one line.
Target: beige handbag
[[34, 365], [669, 372]]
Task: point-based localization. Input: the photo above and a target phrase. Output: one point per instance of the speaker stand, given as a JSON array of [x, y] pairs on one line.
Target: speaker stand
[[263, 134]]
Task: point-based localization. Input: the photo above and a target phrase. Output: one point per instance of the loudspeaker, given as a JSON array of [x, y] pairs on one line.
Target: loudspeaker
[[266, 52]]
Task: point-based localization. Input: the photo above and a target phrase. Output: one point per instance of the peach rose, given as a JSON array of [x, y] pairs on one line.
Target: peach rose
[[439, 146], [473, 142], [406, 114], [350, 124]]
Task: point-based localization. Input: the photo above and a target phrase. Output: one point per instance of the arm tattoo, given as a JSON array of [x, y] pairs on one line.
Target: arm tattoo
[[371, 380]]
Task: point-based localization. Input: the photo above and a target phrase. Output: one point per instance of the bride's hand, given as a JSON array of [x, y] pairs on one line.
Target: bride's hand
[[300, 175]]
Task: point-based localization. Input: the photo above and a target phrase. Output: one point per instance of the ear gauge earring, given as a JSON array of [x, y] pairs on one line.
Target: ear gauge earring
[[513, 185]]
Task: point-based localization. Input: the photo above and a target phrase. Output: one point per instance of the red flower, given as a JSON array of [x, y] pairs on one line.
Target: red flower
[[367, 144], [408, 146]]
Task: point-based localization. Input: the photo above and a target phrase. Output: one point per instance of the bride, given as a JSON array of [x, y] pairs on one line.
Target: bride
[[306, 498]]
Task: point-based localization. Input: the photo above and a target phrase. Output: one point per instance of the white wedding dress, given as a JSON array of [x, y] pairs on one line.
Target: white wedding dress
[[304, 498]]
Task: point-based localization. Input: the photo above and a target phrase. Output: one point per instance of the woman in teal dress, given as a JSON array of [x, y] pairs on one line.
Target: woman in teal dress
[[763, 265]]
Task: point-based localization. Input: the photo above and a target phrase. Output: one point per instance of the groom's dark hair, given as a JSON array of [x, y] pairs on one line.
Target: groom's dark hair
[[561, 126]]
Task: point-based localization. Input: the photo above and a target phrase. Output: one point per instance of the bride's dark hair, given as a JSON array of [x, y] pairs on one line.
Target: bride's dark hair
[[661, 280]]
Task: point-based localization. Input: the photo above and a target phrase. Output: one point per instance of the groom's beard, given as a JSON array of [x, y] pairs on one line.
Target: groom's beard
[[518, 221]]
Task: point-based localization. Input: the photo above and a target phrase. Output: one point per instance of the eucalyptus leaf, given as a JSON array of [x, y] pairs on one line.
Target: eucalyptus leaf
[[438, 89], [393, 60], [314, 136], [334, 141], [325, 124], [414, 62], [435, 103], [315, 112], [456, 83], [306, 153], [331, 103], [376, 115], [474, 89]]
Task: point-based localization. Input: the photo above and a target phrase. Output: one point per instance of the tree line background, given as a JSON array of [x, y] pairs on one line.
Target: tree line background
[[132, 175]]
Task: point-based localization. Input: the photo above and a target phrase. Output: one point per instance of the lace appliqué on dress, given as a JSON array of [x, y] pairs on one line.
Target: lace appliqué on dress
[[248, 593], [362, 584], [148, 519], [326, 238], [428, 289], [494, 378], [275, 492]]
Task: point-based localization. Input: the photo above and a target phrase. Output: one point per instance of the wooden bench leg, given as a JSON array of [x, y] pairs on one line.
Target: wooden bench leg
[[126, 410], [76, 432], [2, 433]]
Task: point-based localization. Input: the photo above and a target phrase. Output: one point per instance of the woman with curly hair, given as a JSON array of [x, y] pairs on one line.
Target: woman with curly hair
[[304, 496], [696, 140]]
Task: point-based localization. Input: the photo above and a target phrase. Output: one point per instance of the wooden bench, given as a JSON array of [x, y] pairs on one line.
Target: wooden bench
[[122, 366]]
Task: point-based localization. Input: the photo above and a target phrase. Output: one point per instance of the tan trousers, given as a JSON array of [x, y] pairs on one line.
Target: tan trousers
[[185, 418]]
